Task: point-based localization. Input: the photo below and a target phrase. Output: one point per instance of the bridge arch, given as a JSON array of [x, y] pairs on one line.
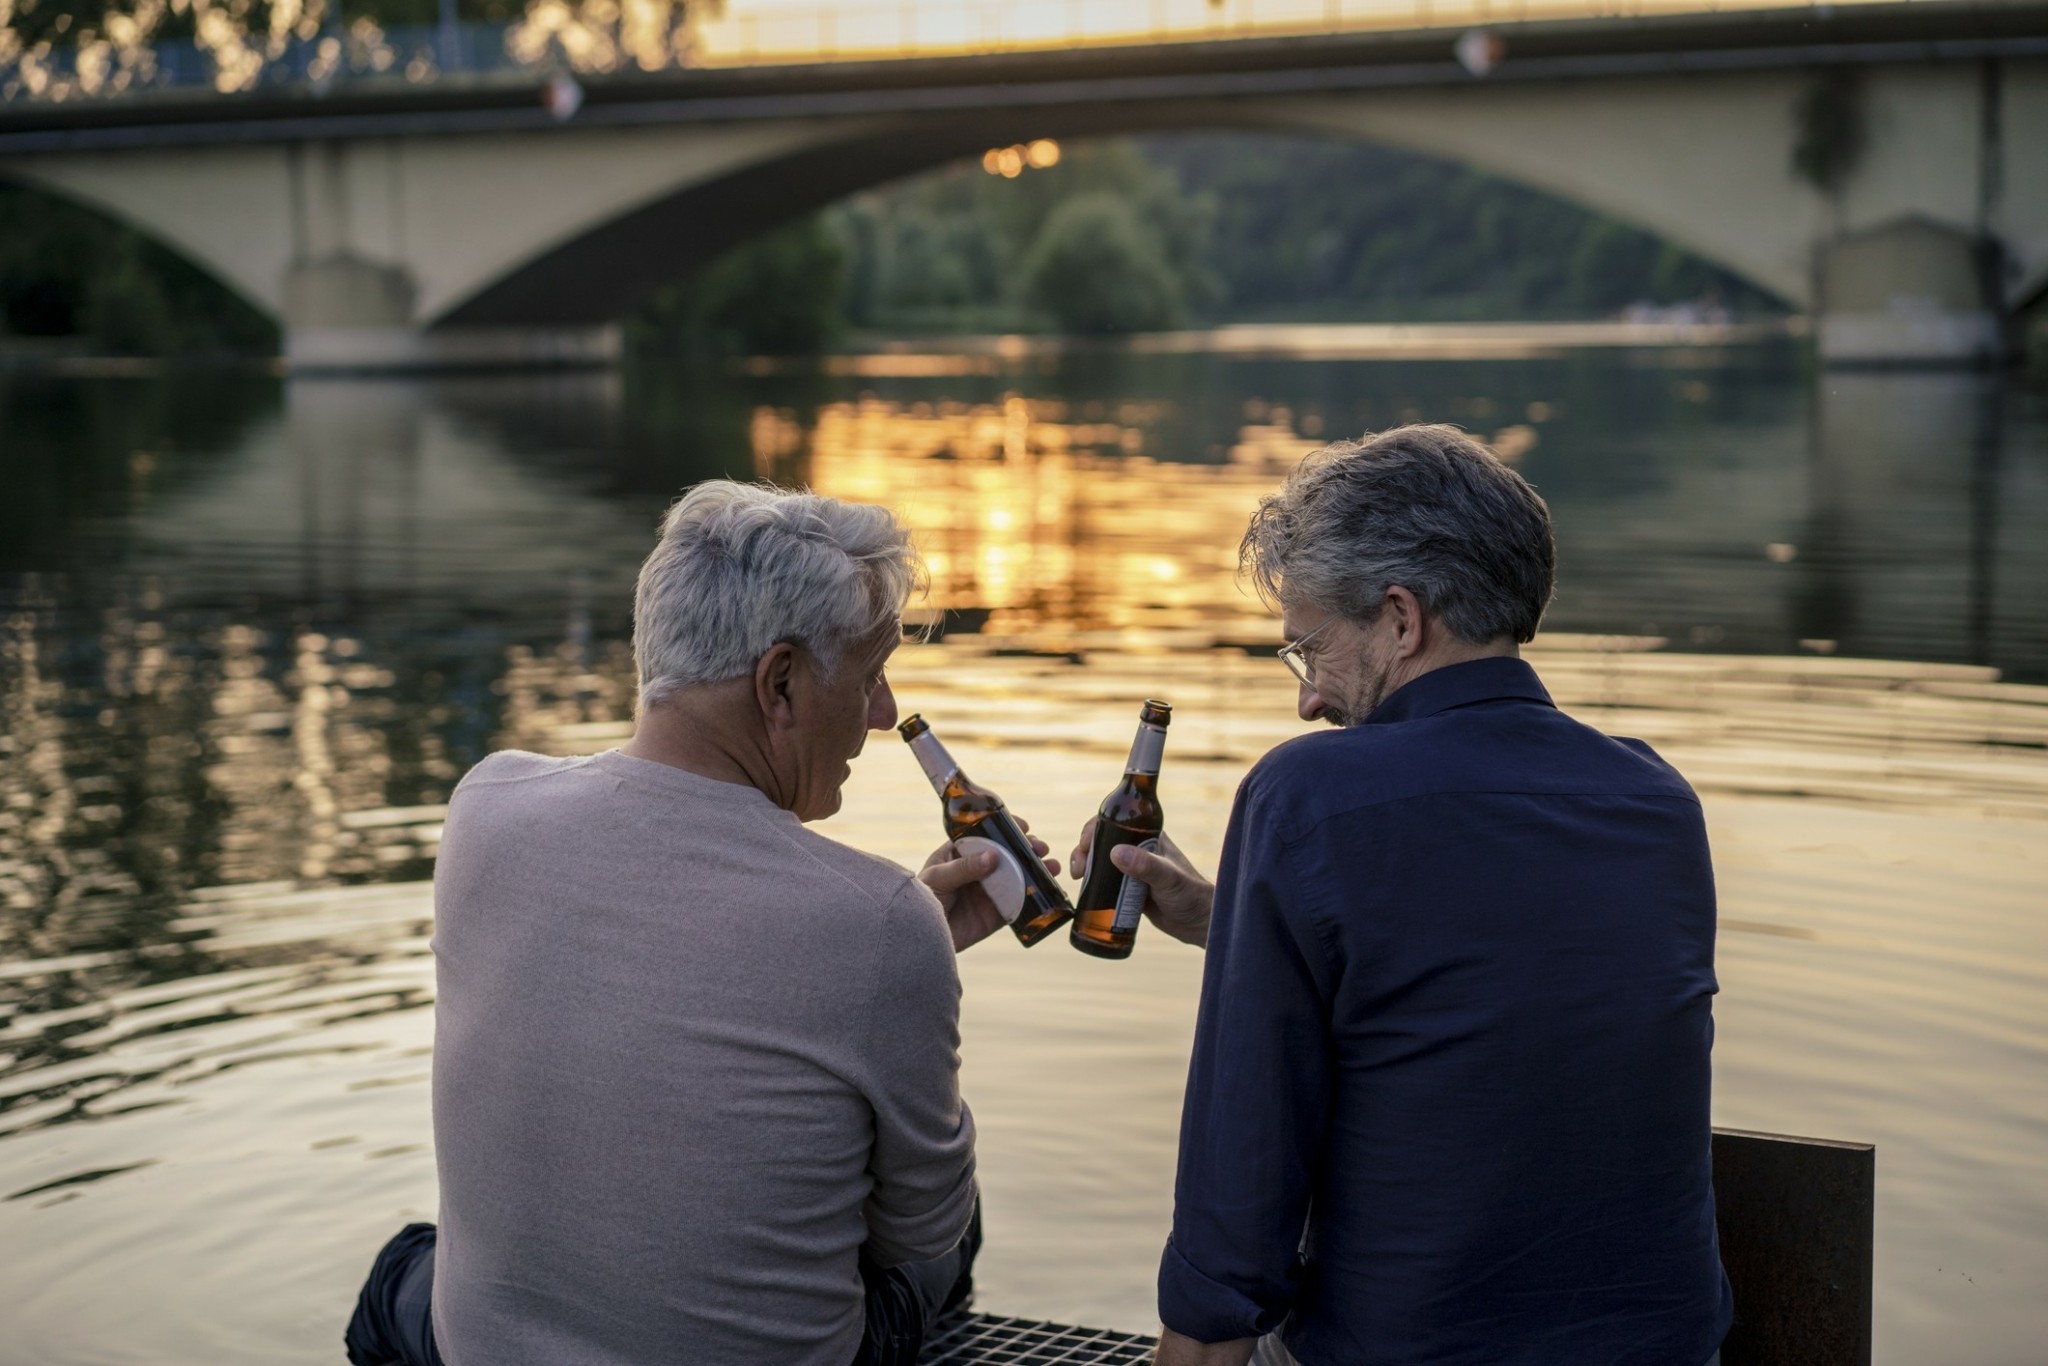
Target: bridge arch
[[608, 268], [411, 224]]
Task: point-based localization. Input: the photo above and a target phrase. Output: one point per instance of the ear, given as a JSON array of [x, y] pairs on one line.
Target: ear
[[774, 685], [1411, 628]]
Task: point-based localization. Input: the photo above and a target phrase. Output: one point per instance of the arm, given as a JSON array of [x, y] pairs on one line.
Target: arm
[[922, 1163], [1253, 1121]]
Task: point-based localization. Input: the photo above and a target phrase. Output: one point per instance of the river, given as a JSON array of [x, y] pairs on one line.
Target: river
[[253, 631]]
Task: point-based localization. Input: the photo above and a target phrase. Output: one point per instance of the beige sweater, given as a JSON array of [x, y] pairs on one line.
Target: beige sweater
[[689, 1056]]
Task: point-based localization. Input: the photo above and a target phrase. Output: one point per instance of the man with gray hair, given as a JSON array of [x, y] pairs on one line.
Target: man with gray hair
[[696, 1068], [1448, 1101]]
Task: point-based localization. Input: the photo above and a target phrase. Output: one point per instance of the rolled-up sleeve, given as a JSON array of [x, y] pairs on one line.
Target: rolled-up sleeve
[[922, 1164], [1254, 1117]]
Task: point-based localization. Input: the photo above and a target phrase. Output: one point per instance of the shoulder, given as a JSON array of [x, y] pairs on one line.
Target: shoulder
[[494, 789], [1306, 778], [516, 766], [1531, 749], [875, 881], [1654, 768]]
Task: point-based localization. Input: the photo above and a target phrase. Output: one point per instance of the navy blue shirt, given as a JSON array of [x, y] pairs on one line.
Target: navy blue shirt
[[1448, 1101]]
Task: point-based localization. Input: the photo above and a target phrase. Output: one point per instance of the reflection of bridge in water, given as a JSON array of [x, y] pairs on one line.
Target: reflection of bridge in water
[[1890, 519], [389, 223]]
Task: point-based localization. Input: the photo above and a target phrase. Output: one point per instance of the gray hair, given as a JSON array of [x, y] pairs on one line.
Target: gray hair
[[1424, 507], [742, 567]]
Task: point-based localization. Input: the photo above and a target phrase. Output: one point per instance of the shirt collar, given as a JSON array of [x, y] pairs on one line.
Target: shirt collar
[[1459, 685]]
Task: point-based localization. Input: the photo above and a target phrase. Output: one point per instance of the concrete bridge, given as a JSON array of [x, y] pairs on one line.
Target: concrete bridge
[[464, 223]]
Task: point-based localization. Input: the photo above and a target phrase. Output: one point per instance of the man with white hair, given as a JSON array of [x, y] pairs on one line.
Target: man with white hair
[[696, 1068], [1448, 1100]]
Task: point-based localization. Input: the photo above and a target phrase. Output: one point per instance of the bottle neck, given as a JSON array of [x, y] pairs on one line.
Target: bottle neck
[[938, 765], [1147, 749]]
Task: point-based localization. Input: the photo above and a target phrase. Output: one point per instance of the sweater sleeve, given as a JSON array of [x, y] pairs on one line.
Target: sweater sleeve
[[922, 1163], [1257, 1103]]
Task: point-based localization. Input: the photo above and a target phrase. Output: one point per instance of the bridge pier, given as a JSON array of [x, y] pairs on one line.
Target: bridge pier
[[1912, 292], [388, 350], [346, 314]]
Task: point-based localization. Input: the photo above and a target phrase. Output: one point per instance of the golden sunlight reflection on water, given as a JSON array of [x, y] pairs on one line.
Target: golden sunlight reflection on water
[[1042, 518]]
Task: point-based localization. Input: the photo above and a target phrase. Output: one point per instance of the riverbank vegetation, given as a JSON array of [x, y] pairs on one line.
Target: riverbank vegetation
[[71, 279], [1108, 236], [1141, 234]]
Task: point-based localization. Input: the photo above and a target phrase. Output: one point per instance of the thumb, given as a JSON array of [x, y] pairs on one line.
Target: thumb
[[954, 874]]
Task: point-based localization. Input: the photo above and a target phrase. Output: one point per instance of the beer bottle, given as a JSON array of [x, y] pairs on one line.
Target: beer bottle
[[1106, 924], [976, 820]]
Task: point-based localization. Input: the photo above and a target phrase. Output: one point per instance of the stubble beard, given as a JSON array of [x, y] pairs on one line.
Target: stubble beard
[[1373, 675]]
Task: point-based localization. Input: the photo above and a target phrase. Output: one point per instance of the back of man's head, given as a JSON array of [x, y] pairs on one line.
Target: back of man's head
[[1424, 507], [741, 567]]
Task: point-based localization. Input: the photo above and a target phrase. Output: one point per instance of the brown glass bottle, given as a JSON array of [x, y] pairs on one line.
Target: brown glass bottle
[[1110, 905], [974, 812]]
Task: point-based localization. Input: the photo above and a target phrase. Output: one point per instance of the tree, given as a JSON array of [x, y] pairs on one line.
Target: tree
[[778, 294], [1097, 267], [68, 272]]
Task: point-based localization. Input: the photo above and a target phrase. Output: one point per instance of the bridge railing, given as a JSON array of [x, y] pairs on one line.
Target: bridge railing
[[596, 38], [890, 28]]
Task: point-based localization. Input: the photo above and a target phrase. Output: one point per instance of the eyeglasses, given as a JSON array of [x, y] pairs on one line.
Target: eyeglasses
[[1296, 659]]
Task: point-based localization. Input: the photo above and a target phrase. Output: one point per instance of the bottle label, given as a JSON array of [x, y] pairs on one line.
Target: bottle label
[[933, 759], [1005, 886], [1130, 898], [1148, 749]]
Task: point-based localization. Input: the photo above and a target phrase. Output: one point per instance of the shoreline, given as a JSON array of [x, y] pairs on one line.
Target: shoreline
[[939, 355]]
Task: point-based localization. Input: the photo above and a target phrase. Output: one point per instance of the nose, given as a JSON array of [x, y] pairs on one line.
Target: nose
[[882, 707], [1309, 704]]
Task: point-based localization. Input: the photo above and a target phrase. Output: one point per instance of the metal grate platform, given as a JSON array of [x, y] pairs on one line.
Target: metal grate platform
[[972, 1339]]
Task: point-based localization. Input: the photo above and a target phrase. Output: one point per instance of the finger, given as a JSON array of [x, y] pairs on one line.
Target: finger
[[1052, 865], [950, 876], [1148, 868], [1022, 824], [1040, 847], [1077, 860]]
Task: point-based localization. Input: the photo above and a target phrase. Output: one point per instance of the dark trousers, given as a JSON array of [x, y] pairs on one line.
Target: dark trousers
[[394, 1322]]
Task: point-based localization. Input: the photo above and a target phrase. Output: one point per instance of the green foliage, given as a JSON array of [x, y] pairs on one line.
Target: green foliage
[[778, 294], [1313, 229], [956, 248], [1248, 227], [67, 272], [1096, 267]]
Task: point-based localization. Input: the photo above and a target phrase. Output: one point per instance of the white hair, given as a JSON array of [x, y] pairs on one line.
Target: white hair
[[742, 567]]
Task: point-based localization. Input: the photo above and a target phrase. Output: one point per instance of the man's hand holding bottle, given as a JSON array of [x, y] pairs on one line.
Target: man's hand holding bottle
[[1178, 898], [955, 879]]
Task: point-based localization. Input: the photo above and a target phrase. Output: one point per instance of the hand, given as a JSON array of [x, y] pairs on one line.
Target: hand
[[1178, 898], [956, 881], [1176, 1350]]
